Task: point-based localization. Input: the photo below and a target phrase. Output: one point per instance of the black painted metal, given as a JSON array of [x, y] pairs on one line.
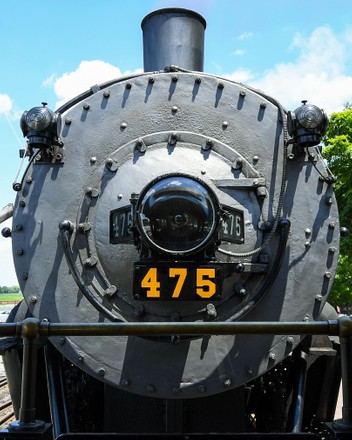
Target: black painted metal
[[57, 398], [173, 36], [30, 329]]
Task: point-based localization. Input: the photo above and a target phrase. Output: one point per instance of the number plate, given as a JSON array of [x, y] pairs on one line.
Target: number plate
[[232, 226], [120, 225], [177, 282]]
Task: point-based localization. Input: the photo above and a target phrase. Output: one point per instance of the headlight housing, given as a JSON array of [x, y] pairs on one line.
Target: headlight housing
[[177, 214], [41, 126], [307, 124]]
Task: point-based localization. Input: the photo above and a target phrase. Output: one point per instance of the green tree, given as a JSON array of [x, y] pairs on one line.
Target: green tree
[[338, 153]]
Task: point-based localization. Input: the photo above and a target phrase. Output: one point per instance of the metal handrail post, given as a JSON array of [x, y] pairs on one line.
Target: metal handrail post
[[29, 331], [345, 334]]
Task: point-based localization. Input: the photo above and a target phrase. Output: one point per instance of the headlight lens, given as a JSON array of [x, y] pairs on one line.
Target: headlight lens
[[177, 214], [38, 118], [309, 116]]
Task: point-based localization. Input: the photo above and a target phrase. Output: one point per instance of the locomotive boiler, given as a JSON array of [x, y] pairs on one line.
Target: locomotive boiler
[[176, 197]]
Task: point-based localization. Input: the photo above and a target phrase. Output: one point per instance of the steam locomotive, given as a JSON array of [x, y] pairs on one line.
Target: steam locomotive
[[176, 197]]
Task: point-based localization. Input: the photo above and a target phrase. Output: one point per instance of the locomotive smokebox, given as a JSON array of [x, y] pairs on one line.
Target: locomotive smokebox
[[173, 36]]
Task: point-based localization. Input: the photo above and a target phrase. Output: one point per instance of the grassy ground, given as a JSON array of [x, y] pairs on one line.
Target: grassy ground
[[10, 297]]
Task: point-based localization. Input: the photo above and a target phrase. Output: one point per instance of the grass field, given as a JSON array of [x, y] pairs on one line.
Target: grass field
[[10, 297]]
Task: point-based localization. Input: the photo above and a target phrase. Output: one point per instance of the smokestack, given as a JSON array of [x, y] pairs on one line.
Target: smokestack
[[173, 36]]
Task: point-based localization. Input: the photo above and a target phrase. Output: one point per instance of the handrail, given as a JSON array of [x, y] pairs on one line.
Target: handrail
[[31, 329]]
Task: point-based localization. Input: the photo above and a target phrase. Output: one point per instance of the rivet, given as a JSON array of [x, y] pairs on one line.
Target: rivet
[[128, 86], [242, 292], [62, 341], [332, 250], [19, 251], [262, 105], [255, 158], [225, 124], [22, 203], [290, 340], [80, 359], [68, 121], [327, 275], [92, 192], [319, 298], [208, 144], [119, 197], [242, 93], [221, 85], [198, 80], [33, 299], [332, 225], [17, 186], [24, 275], [140, 145], [106, 94], [29, 179], [174, 109], [227, 382], [86, 106], [19, 227], [93, 160], [272, 356], [151, 80], [203, 172], [126, 383], [306, 318], [249, 371], [290, 156], [6, 232], [101, 372], [307, 244], [123, 125], [175, 78], [329, 201], [308, 232], [87, 263], [150, 388], [201, 388]]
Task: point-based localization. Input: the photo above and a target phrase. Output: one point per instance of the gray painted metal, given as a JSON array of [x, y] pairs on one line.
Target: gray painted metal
[[115, 142], [173, 36]]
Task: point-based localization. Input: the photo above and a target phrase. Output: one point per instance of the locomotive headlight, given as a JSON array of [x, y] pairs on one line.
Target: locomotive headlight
[[177, 215], [309, 116], [307, 124], [41, 126]]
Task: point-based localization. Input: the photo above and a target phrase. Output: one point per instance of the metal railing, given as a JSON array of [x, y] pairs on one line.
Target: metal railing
[[31, 329]]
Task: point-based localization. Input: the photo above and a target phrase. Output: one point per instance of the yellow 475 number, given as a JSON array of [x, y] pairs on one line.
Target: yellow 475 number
[[205, 285]]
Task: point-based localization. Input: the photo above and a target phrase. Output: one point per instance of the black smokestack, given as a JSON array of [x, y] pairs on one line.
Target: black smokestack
[[173, 36]]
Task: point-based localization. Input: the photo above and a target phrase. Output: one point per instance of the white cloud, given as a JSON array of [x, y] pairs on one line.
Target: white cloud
[[240, 75], [245, 36], [318, 73], [87, 74], [5, 104], [238, 52]]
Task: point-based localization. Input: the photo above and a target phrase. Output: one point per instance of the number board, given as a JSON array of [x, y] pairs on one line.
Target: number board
[[120, 225], [232, 226], [177, 282]]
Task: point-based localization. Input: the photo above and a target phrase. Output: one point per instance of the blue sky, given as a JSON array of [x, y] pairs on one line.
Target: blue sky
[[51, 51]]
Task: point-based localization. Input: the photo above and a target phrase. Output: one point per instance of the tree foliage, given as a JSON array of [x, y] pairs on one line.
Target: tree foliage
[[12, 289], [338, 153]]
